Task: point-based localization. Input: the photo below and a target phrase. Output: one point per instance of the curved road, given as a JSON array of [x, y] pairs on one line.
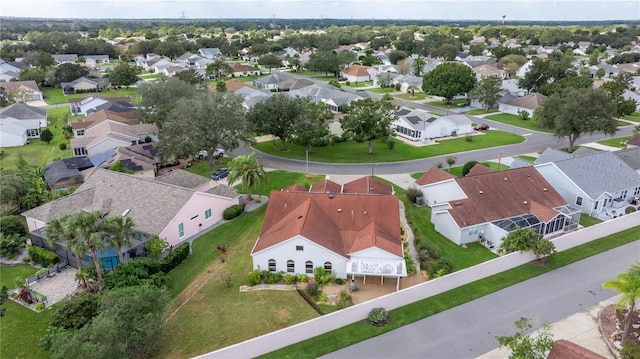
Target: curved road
[[469, 330]]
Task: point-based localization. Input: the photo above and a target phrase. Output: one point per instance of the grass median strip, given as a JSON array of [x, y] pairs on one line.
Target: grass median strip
[[359, 331]]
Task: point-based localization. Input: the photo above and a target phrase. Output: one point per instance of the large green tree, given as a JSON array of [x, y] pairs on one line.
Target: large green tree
[[615, 90], [277, 115], [574, 112], [205, 121], [367, 120], [123, 74], [219, 68], [249, 170], [628, 285], [448, 80], [545, 72], [160, 97], [66, 73], [324, 61], [313, 126], [487, 91], [269, 61], [527, 239]]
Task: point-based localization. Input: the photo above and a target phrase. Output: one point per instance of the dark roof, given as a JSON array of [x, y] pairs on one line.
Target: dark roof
[[116, 106], [23, 112], [403, 112], [68, 168]]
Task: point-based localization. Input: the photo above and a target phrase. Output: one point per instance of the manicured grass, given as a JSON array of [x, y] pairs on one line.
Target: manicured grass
[[513, 120], [588, 221], [635, 117], [527, 158], [416, 97], [21, 330], [353, 152], [358, 84], [54, 96], [359, 331], [218, 315], [615, 142], [39, 153], [8, 274], [496, 166], [481, 112], [382, 90], [277, 180], [443, 105]]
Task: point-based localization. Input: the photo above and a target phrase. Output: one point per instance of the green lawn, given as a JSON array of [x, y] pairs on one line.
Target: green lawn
[[382, 90], [416, 97], [359, 84], [527, 158], [588, 221], [54, 96], [513, 120], [352, 152], [38, 153], [635, 117], [615, 142], [8, 274], [359, 331], [481, 112], [443, 105]]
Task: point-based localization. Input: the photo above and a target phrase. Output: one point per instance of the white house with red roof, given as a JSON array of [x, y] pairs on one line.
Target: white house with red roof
[[351, 230]]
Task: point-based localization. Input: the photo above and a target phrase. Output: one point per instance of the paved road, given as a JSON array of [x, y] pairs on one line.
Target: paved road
[[469, 330]]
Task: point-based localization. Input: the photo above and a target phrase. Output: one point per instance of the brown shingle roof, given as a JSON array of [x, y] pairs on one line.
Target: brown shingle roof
[[325, 186], [295, 188], [634, 141], [433, 175], [14, 85], [357, 70], [497, 195], [232, 85], [100, 116], [368, 185], [343, 223], [237, 67], [531, 102], [479, 169], [564, 349]]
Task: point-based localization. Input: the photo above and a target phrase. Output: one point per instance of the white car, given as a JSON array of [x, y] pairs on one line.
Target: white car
[[216, 154]]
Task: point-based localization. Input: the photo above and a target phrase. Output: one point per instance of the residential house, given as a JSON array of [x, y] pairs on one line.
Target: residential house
[[85, 84], [10, 70], [65, 58], [240, 70], [66, 173], [252, 96], [94, 60], [106, 130], [136, 162], [609, 70], [490, 70], [327, 94], [172, 70], [157, 206], [349, 234], [630, 156], [232, 85], [489, 205], [634, 142], [210, 53], [188, 59], [29, 90], [358, 73], [528, 103], [407, 83], [156, 64], [271, 81], [599, 184], [95, 102], [418, 125], [522, 71], [20, 123]]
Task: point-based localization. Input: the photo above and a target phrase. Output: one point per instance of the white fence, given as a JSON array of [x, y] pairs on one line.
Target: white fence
[[317, 326]]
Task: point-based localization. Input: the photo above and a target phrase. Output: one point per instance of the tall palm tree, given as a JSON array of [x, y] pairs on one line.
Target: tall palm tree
[[91, 227], [249, 170], [61, 230], [627, 284], [120, 230]]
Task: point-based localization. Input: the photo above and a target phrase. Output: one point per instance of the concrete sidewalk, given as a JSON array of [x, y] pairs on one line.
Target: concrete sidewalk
[[581, 328]]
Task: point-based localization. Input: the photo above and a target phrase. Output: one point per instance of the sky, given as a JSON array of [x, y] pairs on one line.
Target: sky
[[523, 10]]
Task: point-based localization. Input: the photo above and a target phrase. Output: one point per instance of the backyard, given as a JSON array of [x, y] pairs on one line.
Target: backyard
[[54, 96], [353, 152]]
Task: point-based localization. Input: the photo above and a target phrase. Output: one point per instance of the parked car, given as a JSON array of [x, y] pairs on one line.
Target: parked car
[[481, 127], [216, 154], [220, 173], [342, 78]]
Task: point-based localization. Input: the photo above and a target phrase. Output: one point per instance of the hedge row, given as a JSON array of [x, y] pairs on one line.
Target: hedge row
[[233, 212], [42, 256]]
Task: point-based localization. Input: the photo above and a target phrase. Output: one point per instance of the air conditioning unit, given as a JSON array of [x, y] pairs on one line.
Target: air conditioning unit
[[420, 201]]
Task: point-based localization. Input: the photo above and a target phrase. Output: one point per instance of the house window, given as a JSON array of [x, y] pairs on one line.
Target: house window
[[624, 194], [80, 132], [207, 214], [637, 191], [308, 267], [579, 201], [291, 266], [181, 230], [34, 132], [299, 248], [595, 206], [272, 265], [328, 267], [194, 217]]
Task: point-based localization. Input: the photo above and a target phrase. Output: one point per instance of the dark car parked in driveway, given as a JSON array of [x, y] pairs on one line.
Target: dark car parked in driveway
[[481, 127], [220, 174]]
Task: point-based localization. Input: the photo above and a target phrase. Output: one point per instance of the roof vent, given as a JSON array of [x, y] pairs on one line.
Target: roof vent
[[339, 210], [505, 178], [330, 195], [126, 211], [481, 192], [365, 213], [545, 189], [525, 202], [458, 203], [299, 216]]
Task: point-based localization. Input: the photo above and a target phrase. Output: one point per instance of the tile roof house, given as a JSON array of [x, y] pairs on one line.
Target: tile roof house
[[20, 123], [528, 103], [350, 234], [172, 212], [488, 205], [419, 125], [85, 84], [358, 73], [599, 184], [30, 88]]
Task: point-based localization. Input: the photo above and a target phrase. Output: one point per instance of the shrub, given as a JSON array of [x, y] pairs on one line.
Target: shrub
[[273, 277], [39, 306], [75, 313], [630, 350], [232, 212], [413, 193], [397, 87], [391, 144], [289, 278], [433, 250], [138, 272], [321, 276], [10, 245], [175, 257], [344, 300], [339, 281], [62, 146], [42, 256], [323, 298], [439, 267], [468, 138], [13, 225], [378, 316], [312, 289], [408, 261], [467, 167], [254, 277], [629, 210], [258, 200], [303, 278]]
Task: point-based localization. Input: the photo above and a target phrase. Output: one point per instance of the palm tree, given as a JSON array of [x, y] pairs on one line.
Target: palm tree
[[91, 227], [249, 170], [628, 285], [120, 230], [61, 230]]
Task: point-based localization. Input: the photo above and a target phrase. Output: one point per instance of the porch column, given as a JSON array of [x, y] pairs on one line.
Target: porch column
[[381, 280], [364, 279], [397, 283]]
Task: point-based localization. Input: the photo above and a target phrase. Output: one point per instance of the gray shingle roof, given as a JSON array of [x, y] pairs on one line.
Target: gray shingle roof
[[598, 173], [630, 156], [183, 179], [223, 191], [519, 163], [23, 112], [552, 155]]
